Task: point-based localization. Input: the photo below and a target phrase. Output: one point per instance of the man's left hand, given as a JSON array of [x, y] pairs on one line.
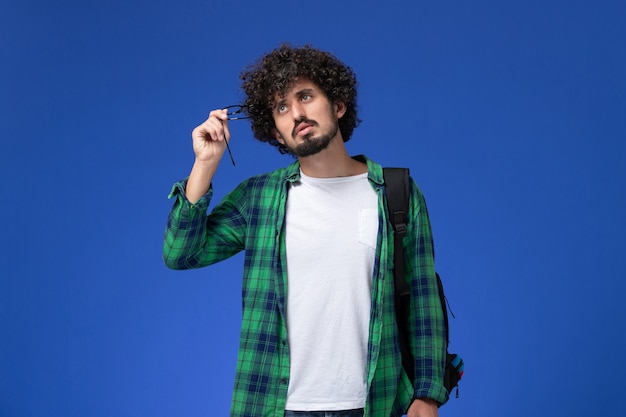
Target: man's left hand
[[423, 407]]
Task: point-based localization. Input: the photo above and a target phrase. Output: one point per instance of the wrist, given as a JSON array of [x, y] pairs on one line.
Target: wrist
[[423, 407], [199, 180]]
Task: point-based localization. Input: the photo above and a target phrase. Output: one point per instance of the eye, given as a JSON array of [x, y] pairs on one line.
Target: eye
[[281, 108], [305, 97]]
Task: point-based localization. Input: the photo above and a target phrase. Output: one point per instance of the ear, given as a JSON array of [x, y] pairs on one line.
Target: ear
[[340, 109], [278, 136]]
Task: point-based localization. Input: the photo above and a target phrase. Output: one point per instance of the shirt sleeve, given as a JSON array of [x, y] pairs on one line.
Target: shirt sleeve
[[194, 239], [426, 317]]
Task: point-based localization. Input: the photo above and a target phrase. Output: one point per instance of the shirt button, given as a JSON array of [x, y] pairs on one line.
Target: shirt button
[[283, 381]]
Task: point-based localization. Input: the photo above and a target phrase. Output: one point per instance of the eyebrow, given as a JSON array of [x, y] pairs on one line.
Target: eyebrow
[[307, 90]]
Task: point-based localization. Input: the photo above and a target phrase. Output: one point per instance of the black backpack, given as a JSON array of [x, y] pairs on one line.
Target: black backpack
[[398, 192]]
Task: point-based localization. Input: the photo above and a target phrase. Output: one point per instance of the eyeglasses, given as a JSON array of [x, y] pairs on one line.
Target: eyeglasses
[[235, 112]]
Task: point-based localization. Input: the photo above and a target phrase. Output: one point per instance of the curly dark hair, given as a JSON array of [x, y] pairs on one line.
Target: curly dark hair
[[280, 69]]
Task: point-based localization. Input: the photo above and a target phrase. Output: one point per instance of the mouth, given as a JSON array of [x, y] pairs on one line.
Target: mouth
[[303, 128]]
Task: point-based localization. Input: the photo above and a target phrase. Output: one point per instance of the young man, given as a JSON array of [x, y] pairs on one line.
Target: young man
[[319, 331]]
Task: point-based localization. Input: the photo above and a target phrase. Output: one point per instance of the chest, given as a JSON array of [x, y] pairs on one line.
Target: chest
[[331, 212]]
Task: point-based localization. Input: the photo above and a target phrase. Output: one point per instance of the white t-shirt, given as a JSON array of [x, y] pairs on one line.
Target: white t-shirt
[[332, 228]]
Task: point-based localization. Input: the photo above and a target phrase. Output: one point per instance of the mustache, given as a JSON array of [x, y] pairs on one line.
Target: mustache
[[299, 122]]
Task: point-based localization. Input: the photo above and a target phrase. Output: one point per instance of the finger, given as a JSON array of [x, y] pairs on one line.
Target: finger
[[215, 125], [218, 120], [220, 114], [215, 129], [210, 130], [226, 130]]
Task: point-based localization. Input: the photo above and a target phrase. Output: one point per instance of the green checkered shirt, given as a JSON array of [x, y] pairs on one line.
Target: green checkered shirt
[[252, 218]]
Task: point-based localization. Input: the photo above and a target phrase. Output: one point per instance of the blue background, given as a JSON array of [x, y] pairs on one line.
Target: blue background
[[510, 114]]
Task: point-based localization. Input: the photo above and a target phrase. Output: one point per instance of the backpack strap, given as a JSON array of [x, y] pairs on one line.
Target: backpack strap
[[397, 183], [444, 307], [398, 189]]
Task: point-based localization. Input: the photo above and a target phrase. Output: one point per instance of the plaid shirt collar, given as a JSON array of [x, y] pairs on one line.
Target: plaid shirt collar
[[374, 171]]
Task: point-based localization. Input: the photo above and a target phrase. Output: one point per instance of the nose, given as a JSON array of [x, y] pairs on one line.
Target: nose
[[297, 110]]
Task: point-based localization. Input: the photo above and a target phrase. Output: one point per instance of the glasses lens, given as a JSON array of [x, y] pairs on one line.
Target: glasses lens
[[236, 112], [233, 110]]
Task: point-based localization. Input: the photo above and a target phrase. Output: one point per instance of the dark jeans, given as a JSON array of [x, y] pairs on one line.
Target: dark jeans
[[345, 413]]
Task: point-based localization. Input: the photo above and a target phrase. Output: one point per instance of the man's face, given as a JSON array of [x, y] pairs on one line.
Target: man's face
[[306, 121]]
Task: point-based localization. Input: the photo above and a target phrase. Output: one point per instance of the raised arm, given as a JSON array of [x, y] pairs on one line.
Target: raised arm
[[191, 239]]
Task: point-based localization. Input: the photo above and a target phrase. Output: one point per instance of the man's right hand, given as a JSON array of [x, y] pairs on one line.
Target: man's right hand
[[209, 139]]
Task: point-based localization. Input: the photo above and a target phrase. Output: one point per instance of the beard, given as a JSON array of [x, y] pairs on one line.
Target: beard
[[313, 145]]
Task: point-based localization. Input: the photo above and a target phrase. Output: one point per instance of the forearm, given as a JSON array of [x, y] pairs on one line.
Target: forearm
[[193, 239], [186, 227], [200, 179], [426, 318]]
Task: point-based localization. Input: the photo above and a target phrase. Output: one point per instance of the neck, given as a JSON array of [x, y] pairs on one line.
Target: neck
[[332, 162]]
